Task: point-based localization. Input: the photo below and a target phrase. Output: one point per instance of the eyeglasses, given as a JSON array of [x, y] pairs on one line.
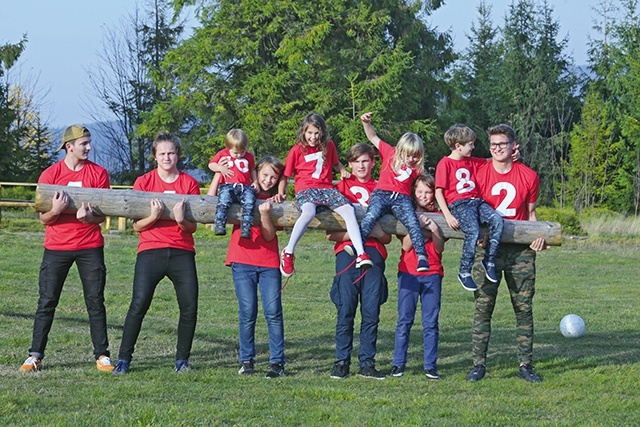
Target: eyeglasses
[[499, 145]]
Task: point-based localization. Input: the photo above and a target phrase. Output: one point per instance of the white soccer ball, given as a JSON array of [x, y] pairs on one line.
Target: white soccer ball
[[572, 326]]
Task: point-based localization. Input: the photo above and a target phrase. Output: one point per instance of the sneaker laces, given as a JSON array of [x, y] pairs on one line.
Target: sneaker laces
[[105, 360], [285, 283]]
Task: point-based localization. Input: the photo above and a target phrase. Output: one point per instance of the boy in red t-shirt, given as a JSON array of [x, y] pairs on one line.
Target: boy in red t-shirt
[[459, 198], [72, 238], [350, 285], [235, 168]]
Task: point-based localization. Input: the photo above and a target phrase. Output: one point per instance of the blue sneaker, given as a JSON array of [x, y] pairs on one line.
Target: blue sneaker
[[490, 271], [423, 265], [467, 282], [182, 365], [122, 367]]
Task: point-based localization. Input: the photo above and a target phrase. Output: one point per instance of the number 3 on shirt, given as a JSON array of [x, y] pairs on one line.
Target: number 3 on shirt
[[317, 157]]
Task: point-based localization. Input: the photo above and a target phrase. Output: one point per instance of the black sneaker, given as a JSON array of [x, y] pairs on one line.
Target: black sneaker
[[397, 371], [370, 372], [490, 271], [467, 282], [340, 371], [276, 371], [477, 373], [432, 374], [220, 230], [247, 368], [245, 234], [527, 374]]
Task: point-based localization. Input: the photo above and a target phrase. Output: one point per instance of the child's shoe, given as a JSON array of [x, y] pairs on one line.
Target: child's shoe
[[423, 265], [490, 271], [182, 366], [364, 261], [397, 371], [220, 229], [286, 263], [467, 282]]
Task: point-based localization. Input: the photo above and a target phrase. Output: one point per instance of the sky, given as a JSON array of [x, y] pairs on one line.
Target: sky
[[64, 37]]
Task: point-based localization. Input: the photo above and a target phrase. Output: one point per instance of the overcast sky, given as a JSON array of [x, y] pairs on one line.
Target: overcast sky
[[65, 35]]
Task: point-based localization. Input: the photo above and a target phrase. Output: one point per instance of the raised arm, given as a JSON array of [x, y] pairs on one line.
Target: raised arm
[[369, 130]]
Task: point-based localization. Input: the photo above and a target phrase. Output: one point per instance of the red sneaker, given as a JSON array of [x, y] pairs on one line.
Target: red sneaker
[[364, 261], [286, 263]]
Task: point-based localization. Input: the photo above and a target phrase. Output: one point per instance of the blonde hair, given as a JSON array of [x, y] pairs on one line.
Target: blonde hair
[[236, 139], [459, 134], [409, 144]]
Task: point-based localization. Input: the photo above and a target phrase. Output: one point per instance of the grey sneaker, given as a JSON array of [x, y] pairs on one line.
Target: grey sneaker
[[340, 371], [276, 371], [476, 373], [527, 374], [397, 371], [247, 368], [432, 374], [370, 372]]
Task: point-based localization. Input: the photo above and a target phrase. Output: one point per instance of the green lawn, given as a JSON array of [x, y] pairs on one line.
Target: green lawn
[[593, 380]]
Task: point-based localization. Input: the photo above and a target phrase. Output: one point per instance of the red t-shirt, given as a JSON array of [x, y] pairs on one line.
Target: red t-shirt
[[409, 260], [510, 193], [390, 179], [255, 251], [458, 178], [241, 167], [166, 233], [309, 168], [358, 192], [67, 233]]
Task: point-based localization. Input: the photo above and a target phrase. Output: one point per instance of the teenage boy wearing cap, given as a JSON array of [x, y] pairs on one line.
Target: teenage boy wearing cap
[[69, 238]]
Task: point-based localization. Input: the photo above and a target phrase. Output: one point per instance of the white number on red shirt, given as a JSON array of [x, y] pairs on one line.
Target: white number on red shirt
[[464, 184], [361, 193], [317, 157], [503, 209]]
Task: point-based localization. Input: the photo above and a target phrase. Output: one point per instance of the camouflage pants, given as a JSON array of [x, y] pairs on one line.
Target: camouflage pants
[[517, 263]]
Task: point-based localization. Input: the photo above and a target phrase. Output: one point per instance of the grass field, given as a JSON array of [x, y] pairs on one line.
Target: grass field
[[593, 380]]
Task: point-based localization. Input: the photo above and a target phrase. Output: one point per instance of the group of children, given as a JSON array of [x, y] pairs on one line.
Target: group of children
[[402, 189]]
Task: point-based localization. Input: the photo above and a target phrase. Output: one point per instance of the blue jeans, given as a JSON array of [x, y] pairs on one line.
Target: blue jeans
[[152, 266], [372, 292], [53, 272], [247, 279], [470, 213], [238, 193], [401, 206], [428, 290]]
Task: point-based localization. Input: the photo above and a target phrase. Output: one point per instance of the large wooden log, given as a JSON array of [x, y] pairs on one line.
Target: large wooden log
[[136, 204]]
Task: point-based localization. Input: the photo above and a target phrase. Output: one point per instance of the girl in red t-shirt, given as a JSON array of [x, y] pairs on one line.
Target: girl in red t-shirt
[[425, 286], [400, 168], [311, 160], [255, 263]]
